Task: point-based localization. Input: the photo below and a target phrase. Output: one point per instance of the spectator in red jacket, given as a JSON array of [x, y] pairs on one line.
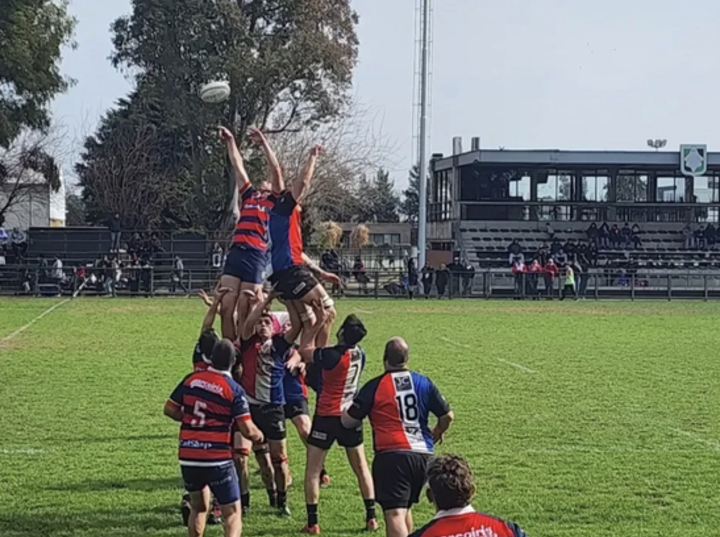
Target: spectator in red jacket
[[534, 271], [550, 273]]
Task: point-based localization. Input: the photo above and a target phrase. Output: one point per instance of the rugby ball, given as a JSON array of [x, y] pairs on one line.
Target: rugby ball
[[215, 92]]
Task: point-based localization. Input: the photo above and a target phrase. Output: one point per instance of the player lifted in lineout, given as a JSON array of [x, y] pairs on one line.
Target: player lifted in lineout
[[247, 258]]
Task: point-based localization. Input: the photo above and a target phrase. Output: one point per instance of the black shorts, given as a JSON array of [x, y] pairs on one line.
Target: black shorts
[[399, 478], [296, 408], [294, 282], [327, 430], [270, 419]]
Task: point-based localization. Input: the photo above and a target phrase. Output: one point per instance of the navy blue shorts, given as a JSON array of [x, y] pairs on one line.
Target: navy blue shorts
[[222, 480], [246, 263]]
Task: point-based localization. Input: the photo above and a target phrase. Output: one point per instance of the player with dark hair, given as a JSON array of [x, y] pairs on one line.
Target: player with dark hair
[[451, 489], [398, 404], [264, 355], [292, 277], [247, 259], [207, 403], [208, 337], [339, 376]]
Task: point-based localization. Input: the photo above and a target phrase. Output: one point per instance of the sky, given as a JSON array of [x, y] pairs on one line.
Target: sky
[[520, 74]]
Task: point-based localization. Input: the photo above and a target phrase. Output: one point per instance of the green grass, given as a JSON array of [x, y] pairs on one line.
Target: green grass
[[580, 419]]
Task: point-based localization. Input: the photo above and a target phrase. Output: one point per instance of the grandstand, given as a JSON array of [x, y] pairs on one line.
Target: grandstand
[[482, 200]]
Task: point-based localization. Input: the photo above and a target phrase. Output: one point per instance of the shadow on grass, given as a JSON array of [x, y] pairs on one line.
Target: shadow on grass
[[145, 485], [104, 523]]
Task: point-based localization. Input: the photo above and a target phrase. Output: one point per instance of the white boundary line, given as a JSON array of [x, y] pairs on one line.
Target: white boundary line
[[24, 451], [512, 364], [692, 436], [36, 319]]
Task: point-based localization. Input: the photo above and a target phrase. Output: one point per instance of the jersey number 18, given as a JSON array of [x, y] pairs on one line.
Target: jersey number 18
[[407, 406]]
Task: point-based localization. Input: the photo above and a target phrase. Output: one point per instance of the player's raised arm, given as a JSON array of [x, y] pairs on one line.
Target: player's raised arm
[[301, 184], [319, 273], [236, 160], [276, 177], [213, 309], [295, 322]]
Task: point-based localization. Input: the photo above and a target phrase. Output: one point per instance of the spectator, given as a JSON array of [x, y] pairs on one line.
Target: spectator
[[413, 278], [330, 262], [593, 234], [550, 271], [635, 236], [549, 231], [584, 268], [534, 271], [155, 246], [80, 277], [570, 248], [115, 227], [19, 244], [178, 275], [360, 274], [569, 286], [604, 236], [555, 247], [615, 237], [2, 255], [441, 279], [689, 236], [111, 267], [43, 273], [561, 257], [626, 236], [514, 250], [456, 271], [543, 253], [468, 278], [700, 238], [4, 237], [146, 276], [519, 269], [57, 271], [427, 279], [710, 236]]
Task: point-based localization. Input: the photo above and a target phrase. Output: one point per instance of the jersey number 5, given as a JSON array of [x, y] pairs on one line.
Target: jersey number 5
[[199, 419], [407, 406]]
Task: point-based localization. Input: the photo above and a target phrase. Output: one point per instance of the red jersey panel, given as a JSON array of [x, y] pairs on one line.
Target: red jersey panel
[[251, 229], [340, 369], [466, 522], [285, 232], [210, 400]]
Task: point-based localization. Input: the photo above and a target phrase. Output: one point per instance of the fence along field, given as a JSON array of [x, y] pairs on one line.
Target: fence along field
[[580, 419]]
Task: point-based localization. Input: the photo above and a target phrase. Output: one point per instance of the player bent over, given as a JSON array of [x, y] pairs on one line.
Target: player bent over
[[398, 404], [207, 403], [451, 490], [340, 368], [263, 362], [247, 258]]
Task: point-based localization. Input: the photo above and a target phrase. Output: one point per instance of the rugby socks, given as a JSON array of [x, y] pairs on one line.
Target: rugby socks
[[369, 510], [245, 500], [272, 496], [282, 499], [312, 514]]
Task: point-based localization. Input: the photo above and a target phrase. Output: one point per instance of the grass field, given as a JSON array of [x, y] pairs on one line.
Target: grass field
[[580, 419]]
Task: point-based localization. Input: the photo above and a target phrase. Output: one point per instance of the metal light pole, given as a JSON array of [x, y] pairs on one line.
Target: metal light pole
[[422, 165], [656, 144]]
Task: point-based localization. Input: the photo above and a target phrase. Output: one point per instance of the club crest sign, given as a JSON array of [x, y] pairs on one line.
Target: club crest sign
[[693, 160]]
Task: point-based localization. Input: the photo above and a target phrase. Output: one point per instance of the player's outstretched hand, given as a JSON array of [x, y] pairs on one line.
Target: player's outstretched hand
[[331, 278], [256, 136], [316, 150], [205, 298], [226, 135]]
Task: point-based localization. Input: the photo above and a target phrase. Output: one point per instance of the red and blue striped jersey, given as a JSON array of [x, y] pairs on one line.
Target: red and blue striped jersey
[[399, 404], [285, 232], [466, 522], [340, 368], [263, 368], [251, 229], [211, 401]]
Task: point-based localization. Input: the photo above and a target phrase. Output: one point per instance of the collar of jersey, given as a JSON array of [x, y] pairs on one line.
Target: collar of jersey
[[453, 512], [226, 373]]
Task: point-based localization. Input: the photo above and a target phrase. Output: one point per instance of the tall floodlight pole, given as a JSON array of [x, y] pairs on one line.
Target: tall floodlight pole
[[422, 165]]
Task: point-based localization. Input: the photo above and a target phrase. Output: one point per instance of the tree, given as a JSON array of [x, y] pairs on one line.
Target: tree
[[384, 200], [27, 164], [32, 35], [74, 209], [289, 63]]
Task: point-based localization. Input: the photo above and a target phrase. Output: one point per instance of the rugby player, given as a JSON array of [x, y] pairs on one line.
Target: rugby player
[[247, 258], [291, 277], [207, 403], [399, 403], [339, 370], [208, 337], [451, 489], [263, 364]]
